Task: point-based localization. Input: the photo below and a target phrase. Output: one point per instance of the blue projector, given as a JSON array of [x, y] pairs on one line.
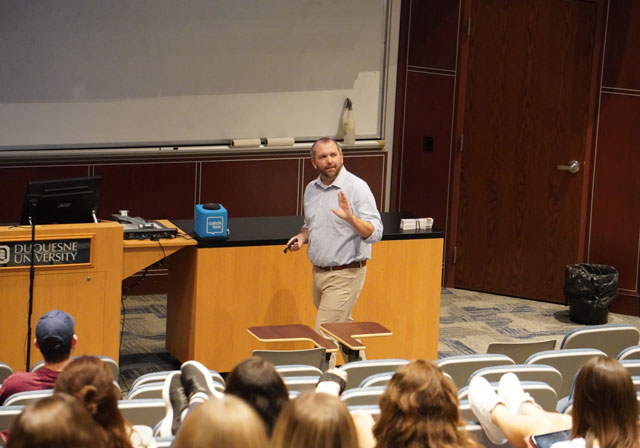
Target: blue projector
[[211, 221]]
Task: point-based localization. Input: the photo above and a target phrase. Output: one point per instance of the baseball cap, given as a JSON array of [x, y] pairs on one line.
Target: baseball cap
[[55, 324]]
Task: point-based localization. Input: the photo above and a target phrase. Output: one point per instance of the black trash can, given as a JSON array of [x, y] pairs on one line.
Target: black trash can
[[589, 289]]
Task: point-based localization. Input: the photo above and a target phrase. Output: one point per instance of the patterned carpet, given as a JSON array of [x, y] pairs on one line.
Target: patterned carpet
[[469, 320]]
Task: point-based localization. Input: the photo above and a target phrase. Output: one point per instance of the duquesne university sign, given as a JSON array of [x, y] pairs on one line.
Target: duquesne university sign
[[45, 252]]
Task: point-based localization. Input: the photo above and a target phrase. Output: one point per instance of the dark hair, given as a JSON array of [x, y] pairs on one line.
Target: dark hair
[[90, 380], [55, 351], [258, 383], [420, 409], [59, 420], [605, 407]]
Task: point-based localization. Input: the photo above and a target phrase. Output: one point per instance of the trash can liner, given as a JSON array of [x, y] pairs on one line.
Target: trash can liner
[[589, 289]]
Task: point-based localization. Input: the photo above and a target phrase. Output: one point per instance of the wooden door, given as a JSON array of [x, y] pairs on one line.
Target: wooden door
[[526, 112]]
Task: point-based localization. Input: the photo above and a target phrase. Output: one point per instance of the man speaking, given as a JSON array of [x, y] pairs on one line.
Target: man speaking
[[341, 222]]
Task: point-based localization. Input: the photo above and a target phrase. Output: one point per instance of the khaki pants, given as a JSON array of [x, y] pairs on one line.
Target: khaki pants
[[334, 295]]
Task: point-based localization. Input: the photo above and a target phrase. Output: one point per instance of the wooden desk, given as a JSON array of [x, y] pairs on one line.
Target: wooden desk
[[346, 332], [291, 333], [138, 254], [220, 288]]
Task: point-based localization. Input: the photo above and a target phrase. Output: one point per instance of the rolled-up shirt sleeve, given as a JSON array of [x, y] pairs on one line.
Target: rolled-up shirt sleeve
[[364, 207]]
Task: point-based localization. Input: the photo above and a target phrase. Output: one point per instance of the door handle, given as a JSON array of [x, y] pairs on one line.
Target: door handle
[[573, 167]]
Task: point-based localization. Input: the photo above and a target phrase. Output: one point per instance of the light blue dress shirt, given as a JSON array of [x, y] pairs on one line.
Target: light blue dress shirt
[[332, 240]]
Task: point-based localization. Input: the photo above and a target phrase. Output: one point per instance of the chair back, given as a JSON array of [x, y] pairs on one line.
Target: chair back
[[113, 366], [298, 370], [477, 433], [164, 442], [8, 415], [359, 370], [610, 338], [632, 352], [372, 409], [632, 366], [460, 368], [525, 372], [5, 371], [377, 379], [312, 357], [362, 395], [146, 412], [568, 362], [519, 351], [543, 394], [24, 398], [160, 377], [301, 383]]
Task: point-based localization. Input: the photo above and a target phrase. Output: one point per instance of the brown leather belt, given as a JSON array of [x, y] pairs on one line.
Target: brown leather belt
[[355, 264]]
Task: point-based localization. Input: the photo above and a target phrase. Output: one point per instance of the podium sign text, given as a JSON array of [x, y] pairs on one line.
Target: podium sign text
[[45, 252]]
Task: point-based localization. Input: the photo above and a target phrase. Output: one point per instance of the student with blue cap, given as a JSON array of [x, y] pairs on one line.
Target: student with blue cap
[[56, 339]]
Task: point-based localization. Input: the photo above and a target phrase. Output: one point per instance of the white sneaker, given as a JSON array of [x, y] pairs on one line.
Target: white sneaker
[[483, 399], [510, 390]]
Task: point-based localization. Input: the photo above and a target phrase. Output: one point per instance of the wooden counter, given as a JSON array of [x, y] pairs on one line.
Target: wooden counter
[[220, 288]]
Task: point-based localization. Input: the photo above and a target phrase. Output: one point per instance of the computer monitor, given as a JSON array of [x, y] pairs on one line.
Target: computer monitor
[[61, 201]]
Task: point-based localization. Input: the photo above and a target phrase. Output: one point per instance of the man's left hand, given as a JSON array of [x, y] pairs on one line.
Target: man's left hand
[[344, 212]]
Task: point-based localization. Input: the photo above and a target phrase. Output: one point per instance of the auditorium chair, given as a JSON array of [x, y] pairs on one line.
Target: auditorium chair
[[359, 370], [542, 393], [301, 383], [8, 414], [24, 398], [313, 357], [146, 412], [459, 368], [5, 371], [524, 372], [567, 361], [610, 338], [298, 370], [520, 350], [113, 365], [362, 395], [159, 377], [632, 352]]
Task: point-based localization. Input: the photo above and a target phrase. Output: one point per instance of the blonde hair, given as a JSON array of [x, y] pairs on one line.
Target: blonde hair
[[315, 420], [224, 422]]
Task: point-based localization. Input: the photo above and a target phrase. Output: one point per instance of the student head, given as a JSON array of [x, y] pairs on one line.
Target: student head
[[56, 421], [55, 336], [222, 422], [605, 406], [420, 408], [258, 383], [315, 420], [91, 381]]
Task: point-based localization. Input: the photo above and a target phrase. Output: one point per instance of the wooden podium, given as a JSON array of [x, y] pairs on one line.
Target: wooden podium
[[89, 290], [89, 287]]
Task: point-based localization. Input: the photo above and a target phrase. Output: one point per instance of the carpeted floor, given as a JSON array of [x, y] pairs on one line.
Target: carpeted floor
[[468, 322]]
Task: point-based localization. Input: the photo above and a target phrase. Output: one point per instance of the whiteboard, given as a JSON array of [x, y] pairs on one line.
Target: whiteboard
[[82, 73]]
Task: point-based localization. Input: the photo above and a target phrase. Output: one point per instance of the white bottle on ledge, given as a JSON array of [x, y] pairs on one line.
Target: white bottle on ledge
[[348, 124]]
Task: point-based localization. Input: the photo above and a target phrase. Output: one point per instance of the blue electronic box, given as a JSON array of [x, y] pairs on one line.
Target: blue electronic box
[[211, 221]]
